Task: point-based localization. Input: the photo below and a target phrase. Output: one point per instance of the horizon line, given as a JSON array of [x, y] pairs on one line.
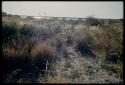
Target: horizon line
[[61, 16]]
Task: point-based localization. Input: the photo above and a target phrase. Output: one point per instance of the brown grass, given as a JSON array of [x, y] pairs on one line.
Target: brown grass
[[43, 51]]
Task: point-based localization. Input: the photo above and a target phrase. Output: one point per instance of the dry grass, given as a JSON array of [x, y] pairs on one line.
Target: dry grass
[[43, 51], [52, 42]]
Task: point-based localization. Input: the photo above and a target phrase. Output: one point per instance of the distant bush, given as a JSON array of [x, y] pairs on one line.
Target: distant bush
[[91, 21], [30, 18], [4, 14]]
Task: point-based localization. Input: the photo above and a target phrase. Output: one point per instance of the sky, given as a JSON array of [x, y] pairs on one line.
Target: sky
[[81, 9]]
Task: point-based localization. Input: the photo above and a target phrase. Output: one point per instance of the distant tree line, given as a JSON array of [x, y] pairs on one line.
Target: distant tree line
[[4, 14]]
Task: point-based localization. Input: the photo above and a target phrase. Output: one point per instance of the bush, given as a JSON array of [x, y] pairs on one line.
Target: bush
[[9, 30], [113, 57], [27, 31], [41, 53], [91, 21], [85, 50], [70, 39]]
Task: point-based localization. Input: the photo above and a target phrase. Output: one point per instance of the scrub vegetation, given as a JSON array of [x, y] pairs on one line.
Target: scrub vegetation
[[53, 50]]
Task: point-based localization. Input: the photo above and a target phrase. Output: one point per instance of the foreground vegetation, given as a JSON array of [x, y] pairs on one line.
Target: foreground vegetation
[[33, 50]]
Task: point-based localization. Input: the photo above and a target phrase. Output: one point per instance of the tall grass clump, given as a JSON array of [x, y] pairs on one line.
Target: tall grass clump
[[15, 48], [41, 54]]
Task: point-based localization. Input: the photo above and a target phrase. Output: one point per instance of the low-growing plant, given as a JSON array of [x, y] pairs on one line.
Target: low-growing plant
[[117, 68]]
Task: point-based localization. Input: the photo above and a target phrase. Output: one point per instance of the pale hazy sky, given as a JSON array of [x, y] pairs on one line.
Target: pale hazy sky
[[65, 9]]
